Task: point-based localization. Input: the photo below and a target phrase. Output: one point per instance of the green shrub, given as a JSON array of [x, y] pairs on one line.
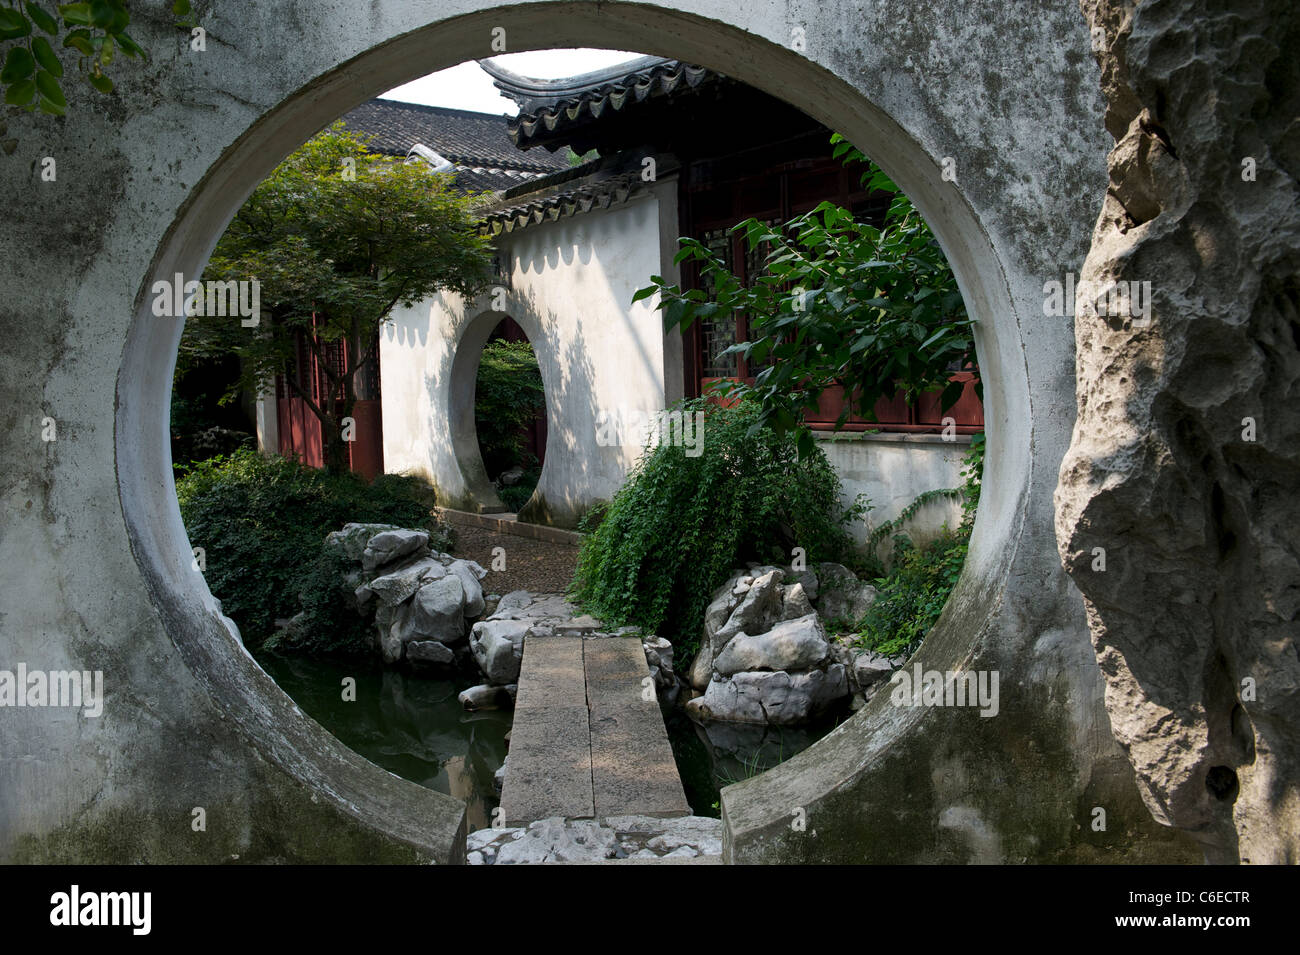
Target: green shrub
[[507, 396], [914, 593], [330, 625], [517, 495], [261, 522], [678, 527]]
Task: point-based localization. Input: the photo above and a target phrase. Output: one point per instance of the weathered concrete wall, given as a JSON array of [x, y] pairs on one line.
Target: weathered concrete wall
[[571, 286], [1186, 453], [892, 470], [97, 567]]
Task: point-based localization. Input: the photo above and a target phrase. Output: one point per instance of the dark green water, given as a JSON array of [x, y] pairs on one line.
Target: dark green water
[[718, 754], [414, 727]]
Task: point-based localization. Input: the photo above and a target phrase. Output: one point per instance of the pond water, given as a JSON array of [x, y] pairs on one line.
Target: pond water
[[414, 727], [713, 755], [411, 725]]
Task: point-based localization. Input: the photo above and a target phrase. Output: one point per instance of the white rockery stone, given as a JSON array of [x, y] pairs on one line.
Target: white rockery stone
[[798, 644]]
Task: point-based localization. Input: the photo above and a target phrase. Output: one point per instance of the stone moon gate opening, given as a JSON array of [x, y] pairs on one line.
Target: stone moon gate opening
[[442, 412], [194, 721]]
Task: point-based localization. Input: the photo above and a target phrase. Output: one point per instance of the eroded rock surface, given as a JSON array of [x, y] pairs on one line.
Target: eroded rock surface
[[765, 657], [1177, 508], [586, 840]]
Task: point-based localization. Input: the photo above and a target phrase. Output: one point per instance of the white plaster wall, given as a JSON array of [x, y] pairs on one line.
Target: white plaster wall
[[891, 470], [268, 424], [572, 282]]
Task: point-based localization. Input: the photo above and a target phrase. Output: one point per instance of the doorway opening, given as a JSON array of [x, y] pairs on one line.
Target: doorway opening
[[510, 414]]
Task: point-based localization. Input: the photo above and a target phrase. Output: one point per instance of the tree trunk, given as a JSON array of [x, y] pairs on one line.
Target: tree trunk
[[334, 447], [335, 434]]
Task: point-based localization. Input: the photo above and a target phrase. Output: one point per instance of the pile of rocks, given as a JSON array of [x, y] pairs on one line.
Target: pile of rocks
[[586, 840], [766, 656], [422, 600], [497, 644], [429, 610]]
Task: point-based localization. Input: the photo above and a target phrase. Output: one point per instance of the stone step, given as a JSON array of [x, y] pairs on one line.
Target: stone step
[[503, 522]]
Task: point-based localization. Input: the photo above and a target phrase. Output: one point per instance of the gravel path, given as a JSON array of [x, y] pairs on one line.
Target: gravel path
[[533, 565]]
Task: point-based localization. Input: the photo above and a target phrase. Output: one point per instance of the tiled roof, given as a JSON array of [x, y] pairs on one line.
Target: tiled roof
[[549, 109], [583, 197], [477, 143], [598, 184]]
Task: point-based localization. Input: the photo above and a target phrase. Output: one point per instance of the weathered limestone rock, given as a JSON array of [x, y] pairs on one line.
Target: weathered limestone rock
[[484, 697], [658, 653], [772, 628], [806, 578], [779, 698], [700, 833], [1177, 511], [798, 644], [439, 610], [725, 601], [841, 596], [395, 587], [498, 648], [387, 547], [702, 667], [515, 600], [757, 610], [870, 669], [352, 539], [470, 574], [429, 651], [554, 840], [794, 602]]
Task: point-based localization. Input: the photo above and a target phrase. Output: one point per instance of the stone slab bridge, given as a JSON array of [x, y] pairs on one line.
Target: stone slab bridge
[[587, 743], [1121, 680]]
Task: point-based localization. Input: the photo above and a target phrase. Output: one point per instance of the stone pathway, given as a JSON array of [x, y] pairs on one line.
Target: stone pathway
[[534, 565], [687, 840], [586, 742]]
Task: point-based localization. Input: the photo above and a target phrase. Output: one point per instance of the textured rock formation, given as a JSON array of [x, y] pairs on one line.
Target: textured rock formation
[[1177, 511]]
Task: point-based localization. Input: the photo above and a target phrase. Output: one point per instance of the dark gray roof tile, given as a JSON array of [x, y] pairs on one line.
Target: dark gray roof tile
[[472, 140]]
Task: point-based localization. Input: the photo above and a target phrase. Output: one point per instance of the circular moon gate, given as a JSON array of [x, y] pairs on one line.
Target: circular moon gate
[[1010, 102]]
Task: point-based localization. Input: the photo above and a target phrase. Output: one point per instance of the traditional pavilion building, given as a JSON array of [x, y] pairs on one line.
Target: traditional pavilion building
[[670, 149]]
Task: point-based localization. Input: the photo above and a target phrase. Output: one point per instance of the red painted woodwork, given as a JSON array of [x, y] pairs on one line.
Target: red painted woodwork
[[300, 430], [897, 415]]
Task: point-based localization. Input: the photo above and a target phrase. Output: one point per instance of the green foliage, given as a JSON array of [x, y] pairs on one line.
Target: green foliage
[[507, 396], [840, 303], [680, 525], [201, 426], [517, 495], [593, 516], [261, 522], [973, 472], [575, 160], [329, 626], [337, 237], [94, 32], [888, 528], [914, 593]]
